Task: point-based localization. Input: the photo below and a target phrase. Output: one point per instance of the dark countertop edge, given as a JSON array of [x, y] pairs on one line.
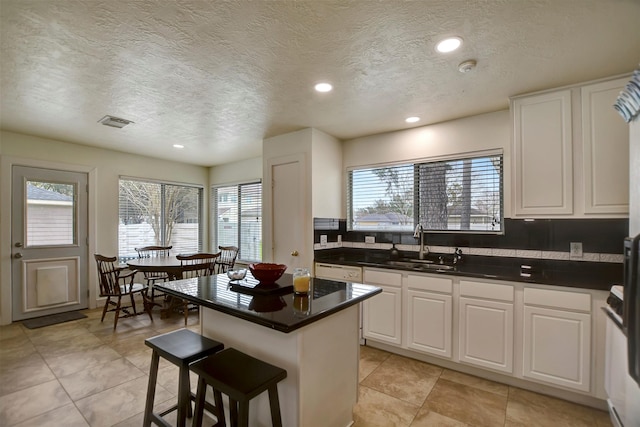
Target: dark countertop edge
[[265, 322], [600, 286]]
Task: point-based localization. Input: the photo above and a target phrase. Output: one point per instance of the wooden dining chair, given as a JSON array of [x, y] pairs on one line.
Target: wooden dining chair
[[196, 265], [151, 277], [227, 259], [117, 282]]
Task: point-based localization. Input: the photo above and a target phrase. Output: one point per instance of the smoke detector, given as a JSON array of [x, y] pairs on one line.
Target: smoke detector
[[114, 122], [467, 66]]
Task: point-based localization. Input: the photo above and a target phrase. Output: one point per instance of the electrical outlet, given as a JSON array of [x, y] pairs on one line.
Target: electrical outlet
[[323, 240], [575, 250], [369, 239], [339, 238]]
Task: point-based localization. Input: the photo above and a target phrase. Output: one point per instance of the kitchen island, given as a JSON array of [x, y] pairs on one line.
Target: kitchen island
[[315, 338]]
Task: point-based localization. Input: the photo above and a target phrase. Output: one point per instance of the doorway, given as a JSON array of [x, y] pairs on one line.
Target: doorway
[[49, 236]]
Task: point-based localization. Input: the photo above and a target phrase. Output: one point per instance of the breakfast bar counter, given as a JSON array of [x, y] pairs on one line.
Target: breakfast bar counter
[[315, 338]]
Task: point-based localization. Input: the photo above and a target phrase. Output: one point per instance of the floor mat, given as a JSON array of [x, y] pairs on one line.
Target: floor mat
[[39, 322]]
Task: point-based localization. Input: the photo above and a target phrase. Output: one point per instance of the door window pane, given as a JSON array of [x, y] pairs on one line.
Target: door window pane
[[50, 214]]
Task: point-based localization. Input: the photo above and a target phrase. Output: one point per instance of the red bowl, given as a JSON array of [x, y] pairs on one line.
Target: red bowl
[[267, 273]]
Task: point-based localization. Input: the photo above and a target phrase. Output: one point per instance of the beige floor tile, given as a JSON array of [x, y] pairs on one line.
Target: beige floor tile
[[133, 344], [26, 373], [15, 349], [370, 359], [427, 418], [406, 379], [526, 408], [375, 409], [72, 362], [477, 382], [99, 377], [60, 332], [33, 401], [60, 348], [467, 404], [67, 416], [119, 403], [10, 331]]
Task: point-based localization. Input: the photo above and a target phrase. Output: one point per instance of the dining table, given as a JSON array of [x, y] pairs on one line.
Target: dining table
[[170, 265]]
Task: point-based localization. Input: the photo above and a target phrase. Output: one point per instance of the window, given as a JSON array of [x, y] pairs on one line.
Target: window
[[156, 213], [236, 211], [462, 194]]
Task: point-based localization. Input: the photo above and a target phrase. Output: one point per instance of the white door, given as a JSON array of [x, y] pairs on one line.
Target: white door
[[429, 322], [49, 242], [288, 214], [382, 316]]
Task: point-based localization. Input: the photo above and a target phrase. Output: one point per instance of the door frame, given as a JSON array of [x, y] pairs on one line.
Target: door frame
[[7, 163]]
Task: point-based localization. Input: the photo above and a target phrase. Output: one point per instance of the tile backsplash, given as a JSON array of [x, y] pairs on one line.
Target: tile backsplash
[[541, 238]]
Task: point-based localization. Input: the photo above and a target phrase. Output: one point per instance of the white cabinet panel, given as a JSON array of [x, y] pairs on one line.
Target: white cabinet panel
[[557, 347], [606, 149], [542, 154], [382, 316], [429, 322], [486, 334]]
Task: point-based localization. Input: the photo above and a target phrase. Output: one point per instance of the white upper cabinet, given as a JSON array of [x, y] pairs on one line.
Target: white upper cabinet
[[555, 130], [542, 154], [605, 150]]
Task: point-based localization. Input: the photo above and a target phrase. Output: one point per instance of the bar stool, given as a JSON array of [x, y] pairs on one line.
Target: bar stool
[[241, 377], [181, 347]]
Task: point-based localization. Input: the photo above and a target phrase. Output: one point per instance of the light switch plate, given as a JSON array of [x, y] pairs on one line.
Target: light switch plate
[[323, 240], [575, 250], [339, 238], [369, 239]]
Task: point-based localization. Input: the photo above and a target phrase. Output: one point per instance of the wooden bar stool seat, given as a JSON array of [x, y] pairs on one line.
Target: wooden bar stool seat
[[241, 377], [181, 347]]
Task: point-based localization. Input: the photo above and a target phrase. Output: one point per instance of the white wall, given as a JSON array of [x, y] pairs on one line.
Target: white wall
[[237, 172], [471, 134], [104, 168], [634, 176], [326, 176]]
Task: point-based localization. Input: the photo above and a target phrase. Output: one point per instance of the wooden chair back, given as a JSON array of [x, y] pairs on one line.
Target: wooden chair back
[[227, 258], [197, 265], [154, 252], [108, 275]]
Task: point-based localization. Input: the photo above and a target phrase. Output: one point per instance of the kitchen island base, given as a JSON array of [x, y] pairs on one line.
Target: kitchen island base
[[321, 360]]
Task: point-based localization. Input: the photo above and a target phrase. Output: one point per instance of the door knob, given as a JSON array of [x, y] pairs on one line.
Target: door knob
[[18, 245], [18, 255], [294, 253]]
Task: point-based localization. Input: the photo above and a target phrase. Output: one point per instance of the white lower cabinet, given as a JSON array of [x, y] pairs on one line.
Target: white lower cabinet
[[428, 320], [485, 329], [382, 314], [557, 338]]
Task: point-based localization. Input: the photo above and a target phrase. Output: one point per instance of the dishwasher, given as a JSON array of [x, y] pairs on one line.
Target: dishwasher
[[342, 273]]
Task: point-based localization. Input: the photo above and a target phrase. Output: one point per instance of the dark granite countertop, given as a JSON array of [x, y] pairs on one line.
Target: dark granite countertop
[[574, 274], [273, 307]]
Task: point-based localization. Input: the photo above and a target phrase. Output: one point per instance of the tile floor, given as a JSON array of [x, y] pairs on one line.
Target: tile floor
[[82, 373]]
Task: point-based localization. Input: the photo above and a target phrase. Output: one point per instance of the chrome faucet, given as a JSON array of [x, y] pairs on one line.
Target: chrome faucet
[[419, 233]]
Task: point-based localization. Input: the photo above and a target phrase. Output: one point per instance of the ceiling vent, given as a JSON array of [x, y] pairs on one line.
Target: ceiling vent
[[114, 122]]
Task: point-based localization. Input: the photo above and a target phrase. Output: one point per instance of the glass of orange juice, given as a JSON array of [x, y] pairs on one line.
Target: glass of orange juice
[[301, 281]]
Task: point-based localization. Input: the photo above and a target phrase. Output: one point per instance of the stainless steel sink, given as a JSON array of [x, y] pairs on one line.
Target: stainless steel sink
[[420, 264]]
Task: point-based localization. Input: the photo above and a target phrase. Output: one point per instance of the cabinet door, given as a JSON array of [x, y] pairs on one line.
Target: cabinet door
[[557, 347], [606, 150], [382, 316], [428, 322], [542, 154], [486, 334]]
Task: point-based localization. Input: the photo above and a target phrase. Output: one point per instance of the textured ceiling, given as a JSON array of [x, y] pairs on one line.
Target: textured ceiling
[[219, 76]]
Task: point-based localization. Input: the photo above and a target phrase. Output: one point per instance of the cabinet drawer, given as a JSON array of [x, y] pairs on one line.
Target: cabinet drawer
[[558, 299], [486, 290], [379, 277], [427, 283]]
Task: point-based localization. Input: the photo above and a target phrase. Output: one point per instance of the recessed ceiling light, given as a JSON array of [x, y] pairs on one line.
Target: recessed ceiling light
[[178, 146], [114, 122], [323, 87], [412, 119], [449, 45]]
